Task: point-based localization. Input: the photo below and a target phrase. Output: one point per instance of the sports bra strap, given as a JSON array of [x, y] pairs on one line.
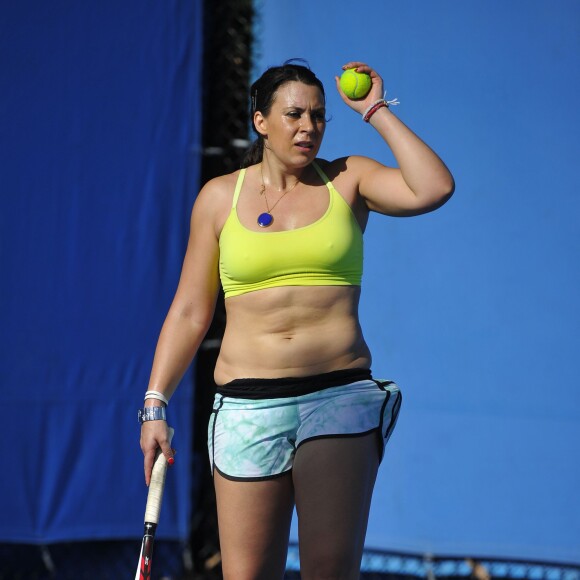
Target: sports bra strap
[[323, 176], [242, 175], [238, 186]]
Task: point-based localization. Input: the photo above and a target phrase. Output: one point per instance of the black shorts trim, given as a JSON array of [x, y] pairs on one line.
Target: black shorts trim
[[214, 416], [291, 386], [342, 436], [250, 479]]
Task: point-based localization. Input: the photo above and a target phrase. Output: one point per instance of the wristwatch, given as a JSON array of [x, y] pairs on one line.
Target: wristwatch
[[151, 414]]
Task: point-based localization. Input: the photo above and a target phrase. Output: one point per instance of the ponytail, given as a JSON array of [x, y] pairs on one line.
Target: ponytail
[[254, 153]]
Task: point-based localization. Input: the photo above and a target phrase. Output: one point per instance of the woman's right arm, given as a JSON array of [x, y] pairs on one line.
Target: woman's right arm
[[188, 319]]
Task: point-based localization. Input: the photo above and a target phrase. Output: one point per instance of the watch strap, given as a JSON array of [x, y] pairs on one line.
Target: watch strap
[[151, 414]]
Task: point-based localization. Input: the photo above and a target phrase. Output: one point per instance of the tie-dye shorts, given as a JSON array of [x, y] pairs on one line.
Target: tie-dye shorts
[[254, 435]]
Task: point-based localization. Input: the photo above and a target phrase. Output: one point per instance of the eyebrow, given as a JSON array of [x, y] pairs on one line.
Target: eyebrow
[[322, 108]]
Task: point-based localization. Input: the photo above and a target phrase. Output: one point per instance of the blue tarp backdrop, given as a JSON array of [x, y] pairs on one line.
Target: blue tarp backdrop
[[473, 309], [100, 129]]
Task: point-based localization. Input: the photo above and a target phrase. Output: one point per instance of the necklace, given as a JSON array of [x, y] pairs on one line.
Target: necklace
[[266, 219]]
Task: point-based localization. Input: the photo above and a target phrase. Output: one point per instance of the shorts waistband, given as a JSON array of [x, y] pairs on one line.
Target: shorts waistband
[[291, 386]]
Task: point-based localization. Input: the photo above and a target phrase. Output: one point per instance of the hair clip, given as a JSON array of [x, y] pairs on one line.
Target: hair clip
[[254, 100]]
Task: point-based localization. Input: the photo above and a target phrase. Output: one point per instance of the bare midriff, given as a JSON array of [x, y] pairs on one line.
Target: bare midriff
[[292, 331]]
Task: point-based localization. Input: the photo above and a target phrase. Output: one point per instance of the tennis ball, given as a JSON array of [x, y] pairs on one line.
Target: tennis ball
[[355, 85]]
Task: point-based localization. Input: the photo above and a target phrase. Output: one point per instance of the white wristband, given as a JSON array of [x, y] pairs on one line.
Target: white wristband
[[156, 395]]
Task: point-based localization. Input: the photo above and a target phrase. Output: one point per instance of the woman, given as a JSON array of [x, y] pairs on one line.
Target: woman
[[298, 419]]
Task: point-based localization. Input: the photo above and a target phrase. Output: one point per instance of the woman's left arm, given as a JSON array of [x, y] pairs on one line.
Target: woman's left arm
[[420, 184]]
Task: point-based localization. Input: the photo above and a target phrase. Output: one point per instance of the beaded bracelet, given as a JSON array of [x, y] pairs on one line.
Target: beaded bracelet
[[157, 395]]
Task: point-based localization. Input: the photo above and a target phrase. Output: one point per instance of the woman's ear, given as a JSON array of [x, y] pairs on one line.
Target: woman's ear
[[261, 123]]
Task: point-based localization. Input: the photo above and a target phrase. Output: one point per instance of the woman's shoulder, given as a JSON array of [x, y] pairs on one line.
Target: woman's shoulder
[[215, 199], [331, 166], [346, 171], [221, 184], [219, 190], [345, 166]]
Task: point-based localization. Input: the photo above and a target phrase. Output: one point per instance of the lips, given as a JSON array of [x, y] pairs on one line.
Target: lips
[[305, 144]]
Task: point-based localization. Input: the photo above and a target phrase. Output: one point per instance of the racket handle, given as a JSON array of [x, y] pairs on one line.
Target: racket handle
[[155, 494]]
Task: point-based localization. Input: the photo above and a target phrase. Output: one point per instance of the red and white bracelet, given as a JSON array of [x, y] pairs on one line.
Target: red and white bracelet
[[374, 107]]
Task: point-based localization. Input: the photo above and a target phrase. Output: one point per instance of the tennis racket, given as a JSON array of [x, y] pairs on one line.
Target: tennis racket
[[152, 511]]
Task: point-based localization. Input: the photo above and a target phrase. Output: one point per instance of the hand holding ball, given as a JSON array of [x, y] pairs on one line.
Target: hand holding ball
[[355, 85]]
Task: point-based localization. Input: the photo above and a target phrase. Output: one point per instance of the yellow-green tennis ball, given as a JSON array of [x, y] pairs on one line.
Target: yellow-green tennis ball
[[355, 85]]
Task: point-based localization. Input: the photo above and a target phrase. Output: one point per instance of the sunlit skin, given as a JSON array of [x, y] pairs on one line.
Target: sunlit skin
[[303, 330], [286, 322], [291, 330], [293, 131]]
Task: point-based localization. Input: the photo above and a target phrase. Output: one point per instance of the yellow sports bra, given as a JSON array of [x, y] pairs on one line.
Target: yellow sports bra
[[328, 252]]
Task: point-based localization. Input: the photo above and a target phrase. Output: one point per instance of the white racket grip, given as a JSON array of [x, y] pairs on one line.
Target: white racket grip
[[156, 485]]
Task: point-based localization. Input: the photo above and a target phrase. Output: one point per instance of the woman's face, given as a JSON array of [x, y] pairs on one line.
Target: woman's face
[[294, 127]]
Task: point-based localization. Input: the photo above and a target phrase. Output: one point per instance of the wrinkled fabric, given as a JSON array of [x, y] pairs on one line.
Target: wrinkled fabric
[[100, 114]]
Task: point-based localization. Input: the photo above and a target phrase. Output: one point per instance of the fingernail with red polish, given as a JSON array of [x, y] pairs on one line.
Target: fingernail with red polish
[[171, 461]]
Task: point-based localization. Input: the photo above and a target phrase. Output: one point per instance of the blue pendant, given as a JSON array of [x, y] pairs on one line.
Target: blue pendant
[[265, 220]]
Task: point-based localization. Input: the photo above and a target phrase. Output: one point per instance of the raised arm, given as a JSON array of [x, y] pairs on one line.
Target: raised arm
[[188, 319], [420, 183]]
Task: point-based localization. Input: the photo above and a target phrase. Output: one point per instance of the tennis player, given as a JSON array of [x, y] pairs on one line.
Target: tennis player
[[298, 418]]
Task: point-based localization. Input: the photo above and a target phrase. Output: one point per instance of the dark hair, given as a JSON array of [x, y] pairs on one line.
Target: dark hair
[[263, 92]]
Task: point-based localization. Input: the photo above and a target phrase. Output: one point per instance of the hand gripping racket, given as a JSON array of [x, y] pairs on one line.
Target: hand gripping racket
[[152, 511]]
